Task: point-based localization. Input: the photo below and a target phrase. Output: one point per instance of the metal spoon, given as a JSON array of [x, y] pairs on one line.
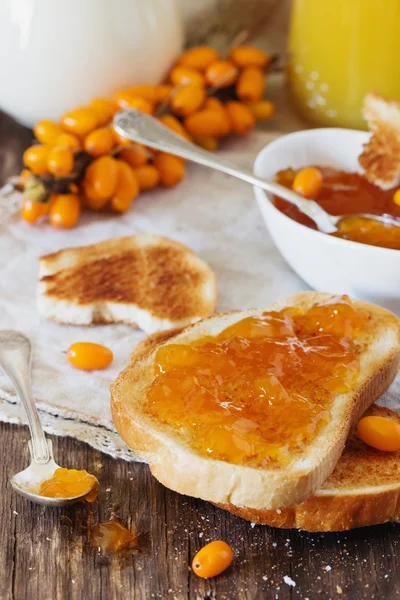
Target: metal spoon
[[139, 127], [15, 359]]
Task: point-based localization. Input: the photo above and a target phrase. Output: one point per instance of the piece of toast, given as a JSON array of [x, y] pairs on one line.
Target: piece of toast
[[364, 488], [144, 280], [176, 465], [380, 159]]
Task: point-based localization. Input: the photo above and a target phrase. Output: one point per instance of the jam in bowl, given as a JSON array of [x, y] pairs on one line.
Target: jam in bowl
[[348, 193], [339, 262]]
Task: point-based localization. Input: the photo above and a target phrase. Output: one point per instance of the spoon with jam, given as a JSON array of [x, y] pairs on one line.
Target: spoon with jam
[[43, 482], [143, 128]]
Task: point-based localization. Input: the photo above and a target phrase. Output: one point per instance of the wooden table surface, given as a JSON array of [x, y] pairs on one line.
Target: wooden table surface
[[45, 553]]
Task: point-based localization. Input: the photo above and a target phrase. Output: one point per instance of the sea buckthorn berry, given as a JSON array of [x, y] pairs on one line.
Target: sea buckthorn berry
[[216, 104], [101, 178], [68, 140], [104, 109], [119, 139], [140, 104], [212, 559], [187, 100], [99, 142], [60, 161], [171, 168], [35, 158], [307, 182], [32, 211], [199, 57], [163, 92], [126, 99], [127, 188], [207, 122], [262, 110], [122, 98], [89, 356], [250, 84], [172, 123], [241, 117], [136, 156], [380, 433], [221, 73], [25, 174], [247, 56], [65, 210], [91, 201], [148, 177], [47, 132], [207, 142], [184, 75], [147, 92], [80, 121], [396, 197]]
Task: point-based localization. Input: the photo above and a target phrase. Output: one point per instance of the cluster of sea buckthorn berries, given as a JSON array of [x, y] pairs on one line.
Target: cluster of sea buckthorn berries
[[81, 162]]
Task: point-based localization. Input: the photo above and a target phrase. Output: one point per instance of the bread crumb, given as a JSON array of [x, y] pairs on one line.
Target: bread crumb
[[339, 589], [289, 581]]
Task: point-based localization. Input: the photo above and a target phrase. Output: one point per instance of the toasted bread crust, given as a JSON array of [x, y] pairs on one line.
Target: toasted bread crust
[[140, 280], [380, 159], [333, 513], [179, 468], [364, 489]]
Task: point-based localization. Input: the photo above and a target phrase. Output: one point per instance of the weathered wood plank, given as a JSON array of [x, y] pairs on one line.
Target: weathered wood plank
[[45, 553]]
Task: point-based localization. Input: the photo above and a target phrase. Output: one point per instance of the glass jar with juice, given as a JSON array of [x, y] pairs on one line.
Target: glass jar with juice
[[339, 51]]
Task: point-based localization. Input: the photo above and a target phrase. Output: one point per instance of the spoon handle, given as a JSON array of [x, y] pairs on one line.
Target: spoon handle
[[15, 359], [145, 129]]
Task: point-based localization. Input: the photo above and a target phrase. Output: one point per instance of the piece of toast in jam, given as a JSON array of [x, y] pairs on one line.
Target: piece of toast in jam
[[175, 464], [143, 280], [380, 159]]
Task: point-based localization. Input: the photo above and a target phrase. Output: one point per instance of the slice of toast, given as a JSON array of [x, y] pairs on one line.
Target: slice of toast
[[179, 467], [364, 488], [380, 159], [144, 280]]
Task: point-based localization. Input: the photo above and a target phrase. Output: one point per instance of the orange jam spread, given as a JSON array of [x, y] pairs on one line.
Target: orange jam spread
[[68, 483], [345, 193], [261, 388], [112, 537]]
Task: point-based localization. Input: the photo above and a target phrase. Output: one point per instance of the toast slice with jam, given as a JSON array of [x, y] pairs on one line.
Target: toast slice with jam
[[304, 436]]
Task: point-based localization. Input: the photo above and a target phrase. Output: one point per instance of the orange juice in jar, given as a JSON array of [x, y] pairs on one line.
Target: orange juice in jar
[[339, 51]]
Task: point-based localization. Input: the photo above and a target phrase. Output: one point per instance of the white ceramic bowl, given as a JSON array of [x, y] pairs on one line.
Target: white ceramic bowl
[[325, 262]]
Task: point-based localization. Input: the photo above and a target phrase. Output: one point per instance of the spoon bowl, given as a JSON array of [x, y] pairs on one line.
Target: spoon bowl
[[15, 359]]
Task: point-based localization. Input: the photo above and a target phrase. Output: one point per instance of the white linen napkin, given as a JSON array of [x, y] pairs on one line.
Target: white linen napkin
[[213, 214]]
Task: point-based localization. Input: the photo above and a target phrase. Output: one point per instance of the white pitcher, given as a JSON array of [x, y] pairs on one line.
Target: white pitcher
[[58, 54]]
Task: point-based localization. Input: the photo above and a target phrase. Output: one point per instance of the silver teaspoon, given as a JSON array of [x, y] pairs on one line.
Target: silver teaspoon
[[15, 359], [143, 128]]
